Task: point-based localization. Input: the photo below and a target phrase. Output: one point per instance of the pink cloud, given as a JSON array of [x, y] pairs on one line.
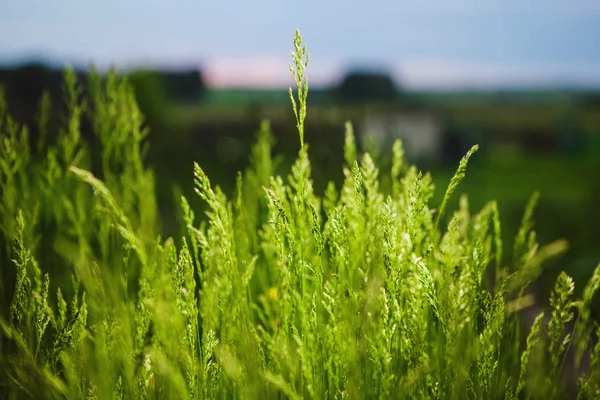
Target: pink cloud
[[263, 73]]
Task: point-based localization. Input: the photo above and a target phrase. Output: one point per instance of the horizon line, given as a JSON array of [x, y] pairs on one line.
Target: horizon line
[[271, 73]]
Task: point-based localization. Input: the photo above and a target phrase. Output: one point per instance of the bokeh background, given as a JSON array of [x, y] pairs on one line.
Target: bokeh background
[[522, 79]]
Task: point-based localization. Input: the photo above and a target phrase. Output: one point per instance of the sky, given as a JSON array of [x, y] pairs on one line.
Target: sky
[[423, 44]]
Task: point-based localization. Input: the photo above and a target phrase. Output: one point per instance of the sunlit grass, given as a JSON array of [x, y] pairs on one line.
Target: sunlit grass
[[277, 292]]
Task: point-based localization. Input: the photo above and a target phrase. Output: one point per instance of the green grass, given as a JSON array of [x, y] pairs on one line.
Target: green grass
[[277, 292]]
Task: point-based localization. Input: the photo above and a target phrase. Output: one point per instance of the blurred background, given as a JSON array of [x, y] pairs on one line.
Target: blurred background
[[521, 79]]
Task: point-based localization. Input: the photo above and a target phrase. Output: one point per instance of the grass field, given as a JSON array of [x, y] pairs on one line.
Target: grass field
[[381, 286]]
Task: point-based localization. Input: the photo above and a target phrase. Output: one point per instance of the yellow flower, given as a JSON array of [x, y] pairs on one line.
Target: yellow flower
[[272, 293]]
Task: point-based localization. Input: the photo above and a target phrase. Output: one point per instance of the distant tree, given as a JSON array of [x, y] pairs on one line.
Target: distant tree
[[590, 99], [185, 85], [24, 86], [150, 94], [365, 87]]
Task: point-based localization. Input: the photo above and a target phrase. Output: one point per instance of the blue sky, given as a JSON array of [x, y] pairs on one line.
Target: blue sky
[[423, 43]]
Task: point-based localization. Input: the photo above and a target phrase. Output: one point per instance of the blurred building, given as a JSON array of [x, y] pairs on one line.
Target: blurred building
[[421, 131]]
